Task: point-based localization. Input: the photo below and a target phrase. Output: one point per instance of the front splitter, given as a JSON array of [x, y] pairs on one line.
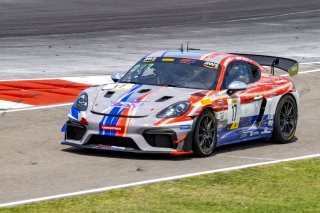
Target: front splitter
[[125, 149]]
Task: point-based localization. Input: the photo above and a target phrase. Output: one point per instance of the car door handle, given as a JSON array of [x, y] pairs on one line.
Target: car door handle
[[259, 97]]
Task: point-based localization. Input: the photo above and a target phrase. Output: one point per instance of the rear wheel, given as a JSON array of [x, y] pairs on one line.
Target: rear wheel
[[285, 122], [205, 134]]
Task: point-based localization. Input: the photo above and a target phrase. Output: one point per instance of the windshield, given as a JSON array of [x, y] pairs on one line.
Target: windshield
[[175, 72]]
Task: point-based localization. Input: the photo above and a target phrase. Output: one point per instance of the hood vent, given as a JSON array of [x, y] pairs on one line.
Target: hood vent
[[109, 94], [164, 98], [198, 94], [144, 90]]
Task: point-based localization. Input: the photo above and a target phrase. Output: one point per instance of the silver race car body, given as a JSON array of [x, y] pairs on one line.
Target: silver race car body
[[183, 102]]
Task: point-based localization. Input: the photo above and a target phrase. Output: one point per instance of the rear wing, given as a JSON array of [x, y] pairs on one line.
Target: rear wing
[[289, 65]]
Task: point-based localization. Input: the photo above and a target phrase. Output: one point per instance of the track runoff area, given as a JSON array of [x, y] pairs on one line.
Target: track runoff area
[[34, 94]]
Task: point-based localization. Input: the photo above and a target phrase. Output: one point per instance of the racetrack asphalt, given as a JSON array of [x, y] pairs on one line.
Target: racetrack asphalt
[[110, 36]]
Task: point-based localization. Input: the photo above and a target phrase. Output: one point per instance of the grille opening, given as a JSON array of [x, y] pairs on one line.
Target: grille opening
[[109, 94], [144, 90], [164, 98], [75, 131], [163, 138], [113, 141]]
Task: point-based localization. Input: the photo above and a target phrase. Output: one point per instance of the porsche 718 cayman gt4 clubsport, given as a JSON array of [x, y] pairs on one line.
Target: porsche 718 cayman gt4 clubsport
[[182, 102]]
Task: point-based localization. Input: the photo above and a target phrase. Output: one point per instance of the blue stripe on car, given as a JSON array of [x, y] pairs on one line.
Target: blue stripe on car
[[113, 120]]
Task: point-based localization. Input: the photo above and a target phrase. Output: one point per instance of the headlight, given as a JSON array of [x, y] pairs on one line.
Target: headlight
[[81, 103], [174, 110]]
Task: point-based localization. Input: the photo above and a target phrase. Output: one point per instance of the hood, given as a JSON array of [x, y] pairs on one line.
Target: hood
[[136, 100]]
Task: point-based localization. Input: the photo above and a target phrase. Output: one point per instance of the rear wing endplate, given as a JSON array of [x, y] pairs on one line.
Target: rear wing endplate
[[289, 65]]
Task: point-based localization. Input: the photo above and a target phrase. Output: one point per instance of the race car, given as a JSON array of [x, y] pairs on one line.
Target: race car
[[183, 102]]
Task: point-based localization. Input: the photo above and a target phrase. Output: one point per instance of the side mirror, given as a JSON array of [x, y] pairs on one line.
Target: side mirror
[[115, 76], [236, 86]]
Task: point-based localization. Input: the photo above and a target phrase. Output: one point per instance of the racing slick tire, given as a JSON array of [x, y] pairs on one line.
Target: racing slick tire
[[205, 134], [285, 121]]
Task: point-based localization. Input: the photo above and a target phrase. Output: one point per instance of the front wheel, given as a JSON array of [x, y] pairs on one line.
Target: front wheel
[[205, 134], [285, 122]]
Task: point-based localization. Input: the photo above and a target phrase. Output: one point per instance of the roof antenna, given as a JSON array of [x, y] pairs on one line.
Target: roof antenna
[[189, 48], [181, 48]]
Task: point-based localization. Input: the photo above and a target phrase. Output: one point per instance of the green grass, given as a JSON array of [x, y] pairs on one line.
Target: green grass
[[285, 187]]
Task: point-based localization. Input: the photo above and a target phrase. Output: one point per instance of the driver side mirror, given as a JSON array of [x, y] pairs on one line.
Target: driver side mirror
[[236, 86], [116, 76]]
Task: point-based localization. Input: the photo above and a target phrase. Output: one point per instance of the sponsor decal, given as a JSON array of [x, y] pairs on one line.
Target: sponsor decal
[[265, 131], [149, 59], [126, 104], [254, 133], [187, 61], [206, 102], [111, 128], [108, 147], [234, 101], [234, 125], [221, 115], [185, 127], [168, 59], [210, 65]]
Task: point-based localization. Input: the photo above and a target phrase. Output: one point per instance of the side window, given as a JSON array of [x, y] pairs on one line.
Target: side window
[[241, 71], [245, 73], [232, 73]]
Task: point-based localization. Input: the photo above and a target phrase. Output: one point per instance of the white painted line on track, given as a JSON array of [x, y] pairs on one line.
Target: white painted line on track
[[12, 105], [35, 108], [247, 157], [98, 77], [103, 189], [305, 72], [307, 63]]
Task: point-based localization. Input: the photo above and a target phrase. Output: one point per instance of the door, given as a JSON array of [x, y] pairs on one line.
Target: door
[[244, 106]]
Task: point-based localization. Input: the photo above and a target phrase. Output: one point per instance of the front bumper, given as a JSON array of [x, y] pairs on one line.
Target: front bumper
[[147, 140]]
